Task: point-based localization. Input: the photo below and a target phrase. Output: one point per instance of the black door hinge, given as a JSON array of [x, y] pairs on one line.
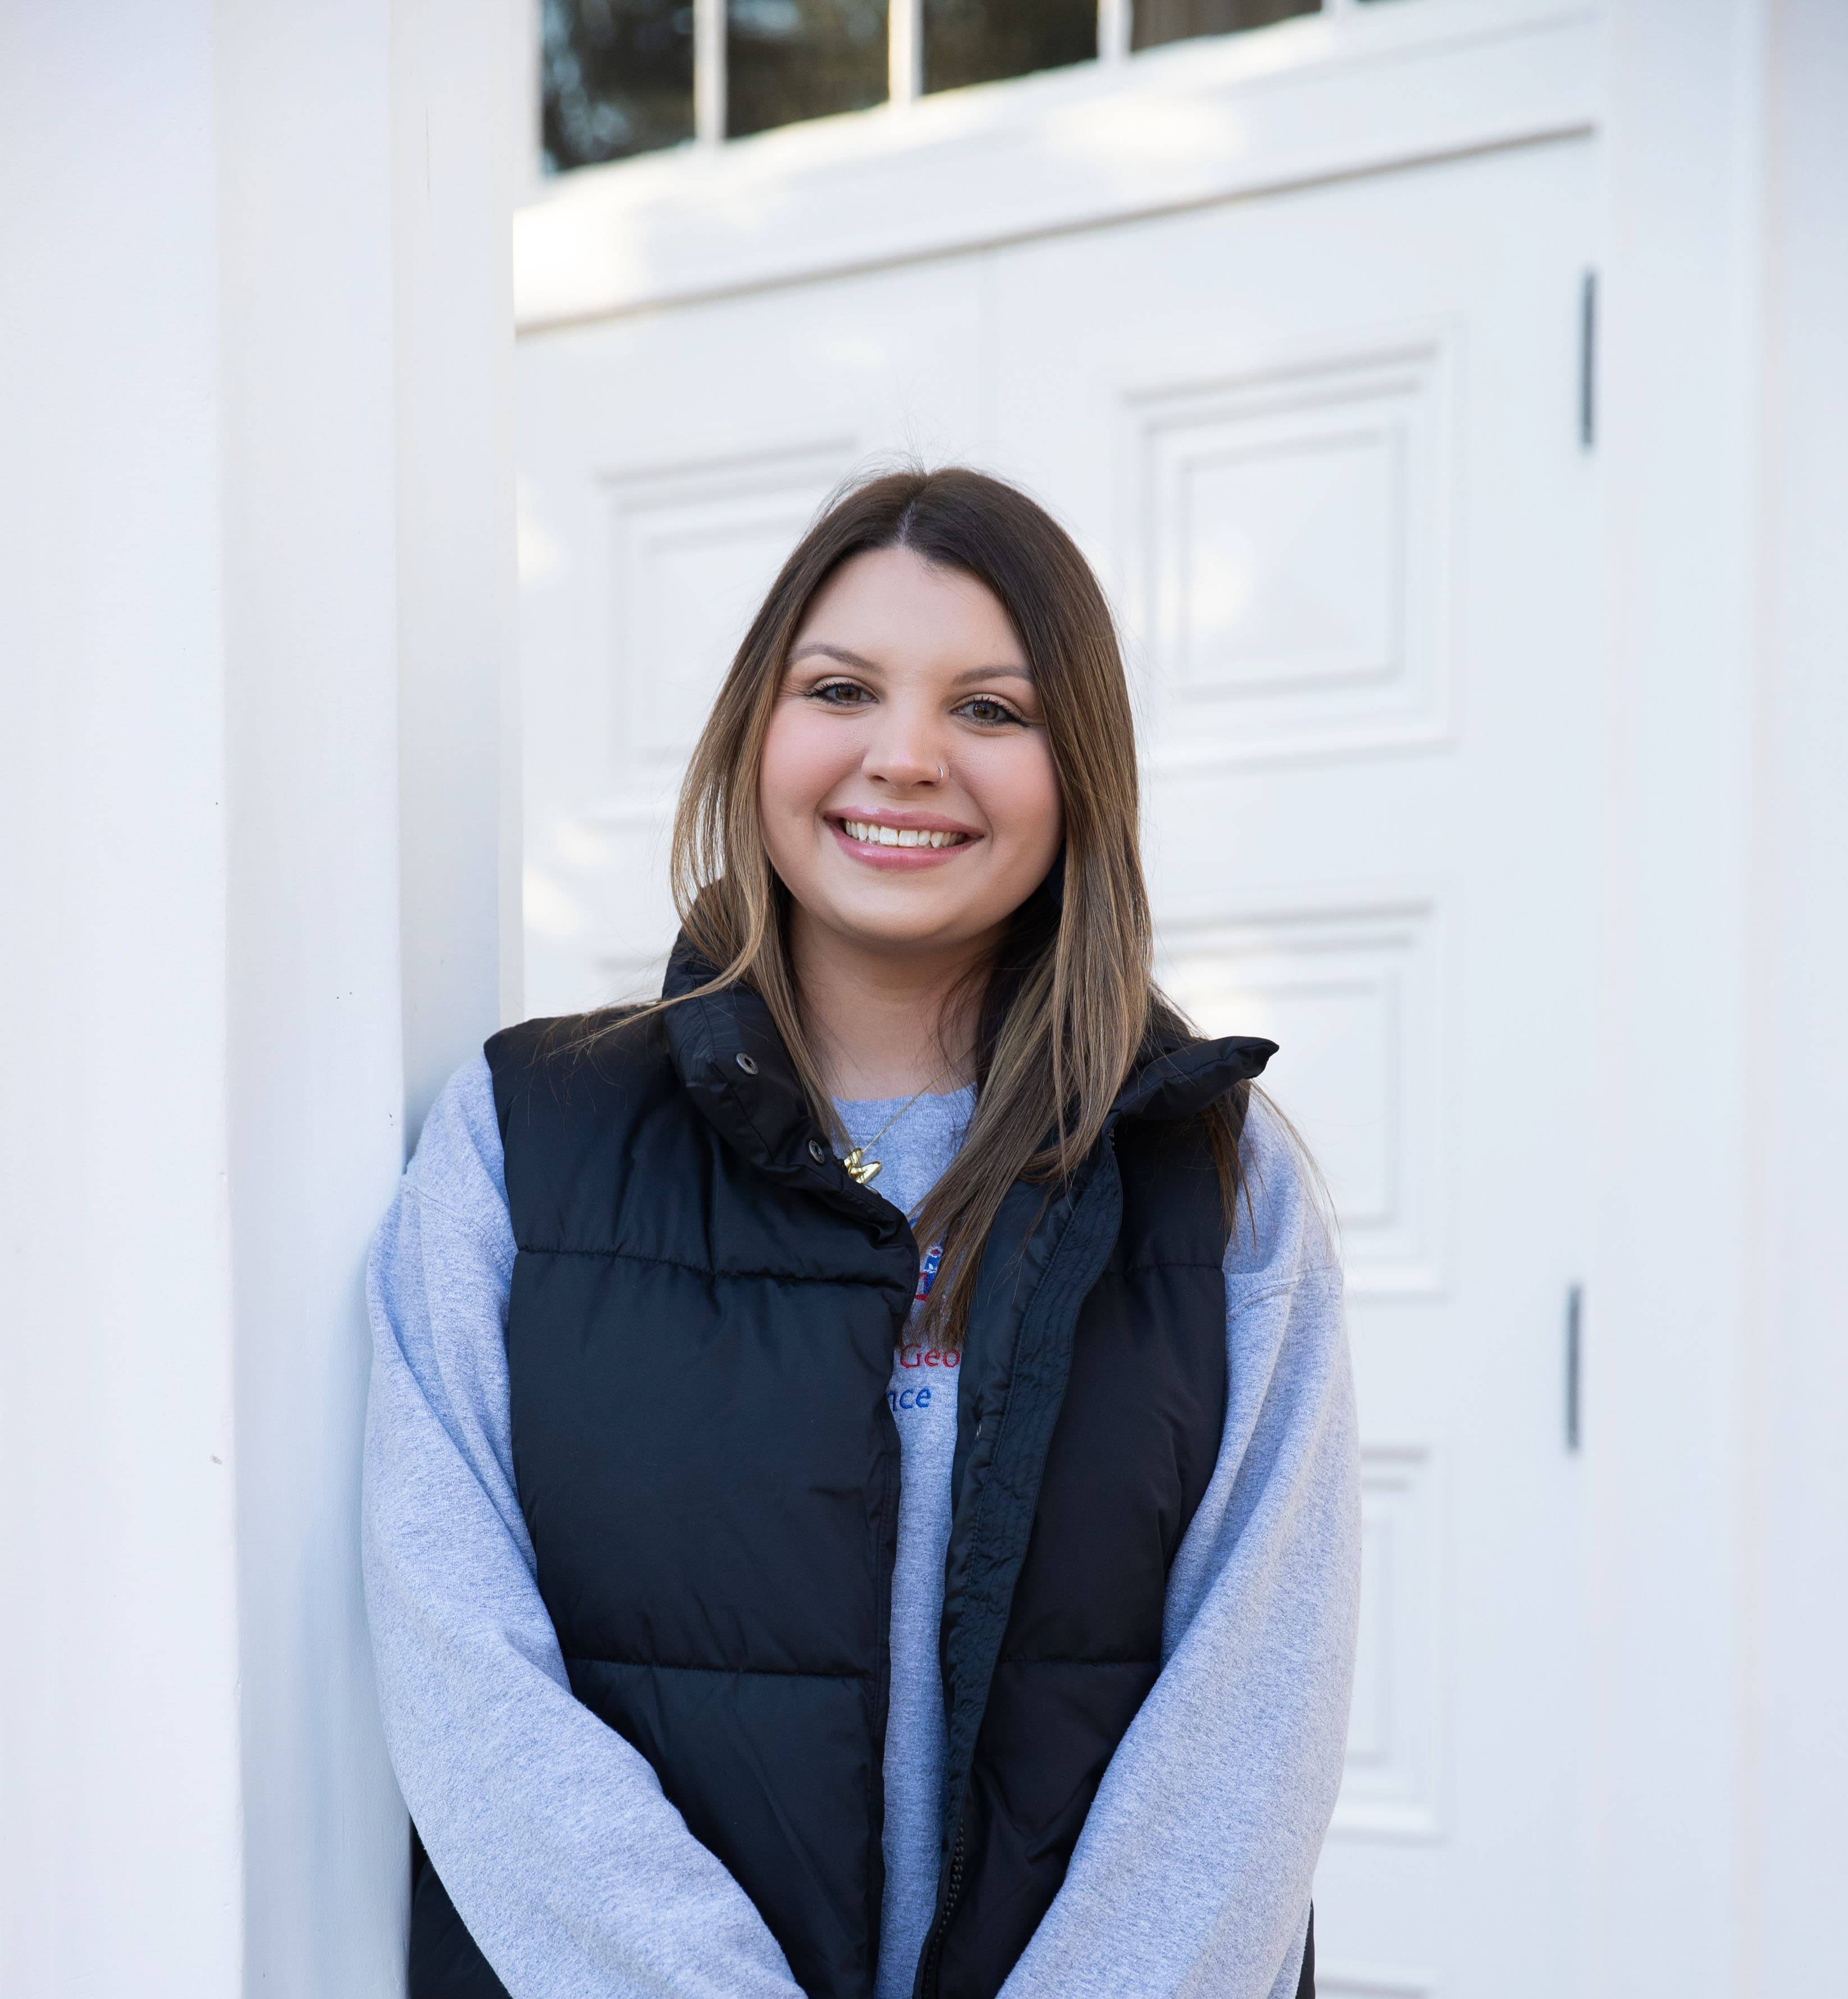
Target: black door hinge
[[1575, 1332]]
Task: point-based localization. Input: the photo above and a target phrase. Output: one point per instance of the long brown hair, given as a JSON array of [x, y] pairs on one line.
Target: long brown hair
[[1069, 1003]]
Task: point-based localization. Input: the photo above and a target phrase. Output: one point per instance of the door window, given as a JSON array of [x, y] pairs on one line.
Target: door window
[[976, 41], [1157, 21], [617, 76], [789, 59]]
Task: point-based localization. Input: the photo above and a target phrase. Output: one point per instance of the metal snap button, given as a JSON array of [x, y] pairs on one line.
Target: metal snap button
[[745, 1063], [816, 1151]]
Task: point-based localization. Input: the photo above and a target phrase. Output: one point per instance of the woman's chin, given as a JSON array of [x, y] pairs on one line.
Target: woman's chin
[[912, 929]]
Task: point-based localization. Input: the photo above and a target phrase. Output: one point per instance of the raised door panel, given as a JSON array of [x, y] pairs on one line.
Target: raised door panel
[[1286, 554], [1353, 997]]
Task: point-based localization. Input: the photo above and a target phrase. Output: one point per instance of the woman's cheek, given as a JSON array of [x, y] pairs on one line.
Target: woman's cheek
[[1020, 796], [800, 764]]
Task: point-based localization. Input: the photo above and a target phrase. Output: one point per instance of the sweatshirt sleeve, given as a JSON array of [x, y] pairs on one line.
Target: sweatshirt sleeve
[[1193, 1872], [568, 1865]]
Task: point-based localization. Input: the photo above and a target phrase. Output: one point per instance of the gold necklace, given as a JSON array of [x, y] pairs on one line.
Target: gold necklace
[[858, 1166]]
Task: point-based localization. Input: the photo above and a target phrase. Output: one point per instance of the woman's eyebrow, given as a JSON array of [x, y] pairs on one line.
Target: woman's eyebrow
[[840, 653], [1003, 671]]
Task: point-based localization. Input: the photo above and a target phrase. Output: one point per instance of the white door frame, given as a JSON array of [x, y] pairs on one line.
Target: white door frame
[[1716, 1333], [1688, 1372]]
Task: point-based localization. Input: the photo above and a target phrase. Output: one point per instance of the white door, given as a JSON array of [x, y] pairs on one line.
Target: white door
[[1324, 446], [1327, 447]]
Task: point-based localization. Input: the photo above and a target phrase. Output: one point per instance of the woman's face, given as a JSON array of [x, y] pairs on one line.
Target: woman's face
[[909, 799]]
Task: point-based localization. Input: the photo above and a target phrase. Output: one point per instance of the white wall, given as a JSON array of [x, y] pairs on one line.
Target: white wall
[[1716, 1373], [1668, 1294], [255, 262], [310, 620], [1794, 1634], [119, 1857], [459, 68]]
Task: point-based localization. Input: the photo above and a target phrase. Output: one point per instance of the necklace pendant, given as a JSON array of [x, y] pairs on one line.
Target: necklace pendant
[[859, 1166]]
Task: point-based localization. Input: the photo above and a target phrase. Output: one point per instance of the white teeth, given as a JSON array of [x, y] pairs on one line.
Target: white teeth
[[895, 835]]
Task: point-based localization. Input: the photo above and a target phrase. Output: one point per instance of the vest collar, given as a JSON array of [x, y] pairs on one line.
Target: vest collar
[[1179, 1082], [733, 1063], [735, 1067]]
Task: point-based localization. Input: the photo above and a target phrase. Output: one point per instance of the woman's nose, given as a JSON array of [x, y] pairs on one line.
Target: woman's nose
[[905, 751]]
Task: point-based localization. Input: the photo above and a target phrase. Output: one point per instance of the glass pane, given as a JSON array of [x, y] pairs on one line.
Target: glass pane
[[974, 41], [1157, 21], [617, 77], [791, 59]]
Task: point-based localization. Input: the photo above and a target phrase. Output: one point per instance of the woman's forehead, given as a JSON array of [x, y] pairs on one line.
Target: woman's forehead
[[885, 605]]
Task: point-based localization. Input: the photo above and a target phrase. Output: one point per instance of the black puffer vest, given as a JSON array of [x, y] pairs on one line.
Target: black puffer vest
[[704, 1313]]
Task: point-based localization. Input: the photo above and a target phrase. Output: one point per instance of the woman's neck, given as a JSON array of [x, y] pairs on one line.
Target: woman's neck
[[881, 1023]]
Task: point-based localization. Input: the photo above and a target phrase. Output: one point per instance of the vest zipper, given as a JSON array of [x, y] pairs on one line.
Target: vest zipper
[[888, 1540], [952, 1889], [930, 1964]]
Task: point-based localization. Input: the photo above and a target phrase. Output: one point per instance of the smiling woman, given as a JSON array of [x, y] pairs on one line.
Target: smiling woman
[[937, 653], [907, 741], [719, 1655]]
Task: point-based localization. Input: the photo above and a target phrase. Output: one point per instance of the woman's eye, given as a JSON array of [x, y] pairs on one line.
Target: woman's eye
[[838, 694], [986, 708]]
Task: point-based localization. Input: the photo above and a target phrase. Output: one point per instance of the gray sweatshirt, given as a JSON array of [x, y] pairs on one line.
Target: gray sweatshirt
[[575, 1874]]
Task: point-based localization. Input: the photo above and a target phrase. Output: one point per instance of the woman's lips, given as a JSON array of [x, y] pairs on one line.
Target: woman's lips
[[878, 851]]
